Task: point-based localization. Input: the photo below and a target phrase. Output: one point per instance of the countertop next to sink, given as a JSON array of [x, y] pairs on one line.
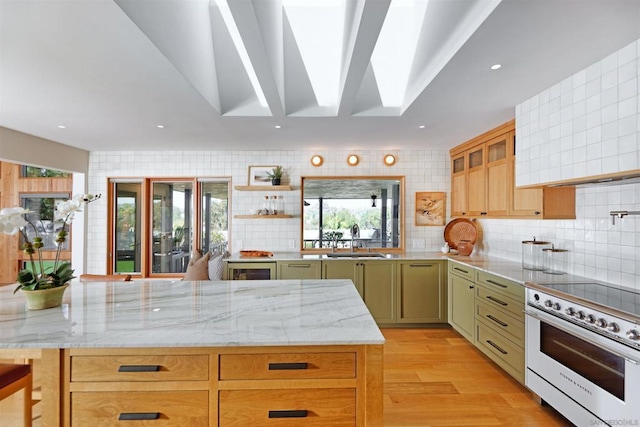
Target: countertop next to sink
[[508, 269]]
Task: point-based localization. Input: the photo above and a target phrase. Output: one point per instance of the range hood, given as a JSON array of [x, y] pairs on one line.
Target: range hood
[[630, 177]]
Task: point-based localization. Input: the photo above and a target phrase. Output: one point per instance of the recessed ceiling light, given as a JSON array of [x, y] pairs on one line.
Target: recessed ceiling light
[[160, 126], [62, 127], [278, 126], [317, 160], [353, 159], [496, 66], [421, 127], [389, 159]]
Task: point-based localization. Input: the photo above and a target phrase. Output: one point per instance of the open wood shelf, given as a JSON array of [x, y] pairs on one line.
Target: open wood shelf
[[263, 187], [262, 216]]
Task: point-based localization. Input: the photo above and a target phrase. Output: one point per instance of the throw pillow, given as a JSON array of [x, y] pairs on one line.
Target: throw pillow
[[197, 268], [216, 267]]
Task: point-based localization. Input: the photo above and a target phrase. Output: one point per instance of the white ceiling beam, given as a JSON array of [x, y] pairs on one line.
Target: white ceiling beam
[[367, 19], [264, 60]]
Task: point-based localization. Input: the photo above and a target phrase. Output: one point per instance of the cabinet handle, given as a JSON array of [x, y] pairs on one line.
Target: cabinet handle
[[536, 213], [496, 283], [498, 321], [420, 265], [459, 269], [494, 345], [138, 416], [299, 265], [496, 300], [139, 368], [483, 213], [301, 413], [287, 366], [470, 286]]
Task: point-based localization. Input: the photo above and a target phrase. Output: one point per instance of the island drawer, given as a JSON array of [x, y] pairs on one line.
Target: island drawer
[[500, 301], [293, 407], [157, 408], [462, 270], [181, 367], [287, 366]]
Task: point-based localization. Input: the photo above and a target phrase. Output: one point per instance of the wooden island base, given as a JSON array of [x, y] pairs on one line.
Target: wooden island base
[[332, 385]]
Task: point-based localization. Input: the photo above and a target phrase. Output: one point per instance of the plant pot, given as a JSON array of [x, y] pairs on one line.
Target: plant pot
[[275, 181], [44, 298], [465, 247]]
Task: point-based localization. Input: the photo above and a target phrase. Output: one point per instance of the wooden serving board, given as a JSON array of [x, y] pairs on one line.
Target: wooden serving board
[[256, 254]]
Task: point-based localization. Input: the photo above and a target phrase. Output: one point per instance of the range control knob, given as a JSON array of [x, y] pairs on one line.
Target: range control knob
[[633, 334], [548, 303], [613, 327], [601, 323], [591, 318], [570, 311], [556, 306], [580, 315]]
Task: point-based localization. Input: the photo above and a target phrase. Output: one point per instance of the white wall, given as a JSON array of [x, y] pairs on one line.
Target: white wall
[[587, 124], [424, 171]]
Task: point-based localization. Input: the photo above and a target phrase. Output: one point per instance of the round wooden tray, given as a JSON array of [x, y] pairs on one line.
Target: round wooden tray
[[460, 229]]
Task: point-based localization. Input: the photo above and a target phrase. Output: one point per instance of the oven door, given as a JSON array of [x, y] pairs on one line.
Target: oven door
[[601, 375]]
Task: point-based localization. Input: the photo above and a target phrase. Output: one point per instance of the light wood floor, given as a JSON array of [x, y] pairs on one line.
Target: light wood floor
[[432, 377], [435, 377]]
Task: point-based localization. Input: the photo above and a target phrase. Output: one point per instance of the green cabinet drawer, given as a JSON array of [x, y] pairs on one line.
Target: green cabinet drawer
[[299, 269], [500, 284], [462, 270], [501, 350], [509, 326], [500, 301]]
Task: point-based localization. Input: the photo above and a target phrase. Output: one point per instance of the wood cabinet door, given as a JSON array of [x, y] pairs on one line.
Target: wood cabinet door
[[421, 292], [497, 177], [476, 181], [458, 185]]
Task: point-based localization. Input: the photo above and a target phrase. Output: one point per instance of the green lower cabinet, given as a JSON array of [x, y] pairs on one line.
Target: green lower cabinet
[[377, 281], [421, 292], [299, 269], [342, 269], [461, 305]]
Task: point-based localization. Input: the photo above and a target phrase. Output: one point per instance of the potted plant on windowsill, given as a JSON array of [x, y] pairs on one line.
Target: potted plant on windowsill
[[42, 288], [276, 175]]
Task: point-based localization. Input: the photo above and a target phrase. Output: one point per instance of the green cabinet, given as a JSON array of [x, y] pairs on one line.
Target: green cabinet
[[375, 281], [310, 269], [421, 292], [461, 287]]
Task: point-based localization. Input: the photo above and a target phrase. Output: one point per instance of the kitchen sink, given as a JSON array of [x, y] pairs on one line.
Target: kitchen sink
[[356, 255]]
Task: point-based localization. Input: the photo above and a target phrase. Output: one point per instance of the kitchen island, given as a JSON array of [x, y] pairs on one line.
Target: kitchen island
[[204, 353]]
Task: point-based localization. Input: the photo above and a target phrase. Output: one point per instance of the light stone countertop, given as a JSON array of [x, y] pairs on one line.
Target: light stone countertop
[[192, 314]]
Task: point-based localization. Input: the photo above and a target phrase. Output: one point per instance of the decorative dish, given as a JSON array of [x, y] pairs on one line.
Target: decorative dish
[[460, 229], [255, 254]]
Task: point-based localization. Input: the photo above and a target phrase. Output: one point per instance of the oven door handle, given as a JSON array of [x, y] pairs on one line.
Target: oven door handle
[[582, 337]]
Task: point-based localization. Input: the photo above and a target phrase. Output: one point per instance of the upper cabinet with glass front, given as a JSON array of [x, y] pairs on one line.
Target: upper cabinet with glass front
[[483, 185], [344, 214]]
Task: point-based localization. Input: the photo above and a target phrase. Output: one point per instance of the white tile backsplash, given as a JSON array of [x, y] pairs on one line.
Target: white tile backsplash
[[424, 170]]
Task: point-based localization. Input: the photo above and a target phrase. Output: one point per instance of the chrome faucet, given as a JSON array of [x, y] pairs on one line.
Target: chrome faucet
[[355, 234]]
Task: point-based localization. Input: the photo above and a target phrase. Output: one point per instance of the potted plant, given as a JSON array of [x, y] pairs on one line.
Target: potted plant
[[276, 175], [42, 288]]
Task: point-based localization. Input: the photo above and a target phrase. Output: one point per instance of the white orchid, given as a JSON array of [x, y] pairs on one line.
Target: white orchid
[[12, 221]]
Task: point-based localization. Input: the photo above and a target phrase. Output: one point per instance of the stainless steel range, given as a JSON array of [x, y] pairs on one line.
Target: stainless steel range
[[583, 351]]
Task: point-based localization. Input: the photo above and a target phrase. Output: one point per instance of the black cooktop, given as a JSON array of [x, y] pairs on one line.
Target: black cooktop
[[625, 300]]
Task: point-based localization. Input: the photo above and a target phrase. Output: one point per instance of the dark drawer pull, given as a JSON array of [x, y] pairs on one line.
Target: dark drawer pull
[[459, 269], [494, 345], [287, 366], [299, 265], [302, 413], [138, 416], [139, 368], [496, 300], [420, 265], [496, 283], [498, 321]]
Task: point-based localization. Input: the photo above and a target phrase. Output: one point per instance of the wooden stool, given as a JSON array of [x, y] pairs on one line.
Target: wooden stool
[[14, 378]]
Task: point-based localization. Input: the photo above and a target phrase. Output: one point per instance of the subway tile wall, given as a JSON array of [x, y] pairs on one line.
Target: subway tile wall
[[597, 248], [423, 170], [588, 124]]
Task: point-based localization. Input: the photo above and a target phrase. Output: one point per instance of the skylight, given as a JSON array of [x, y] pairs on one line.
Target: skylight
[[242, 51], [395, 49], [317, 26]]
